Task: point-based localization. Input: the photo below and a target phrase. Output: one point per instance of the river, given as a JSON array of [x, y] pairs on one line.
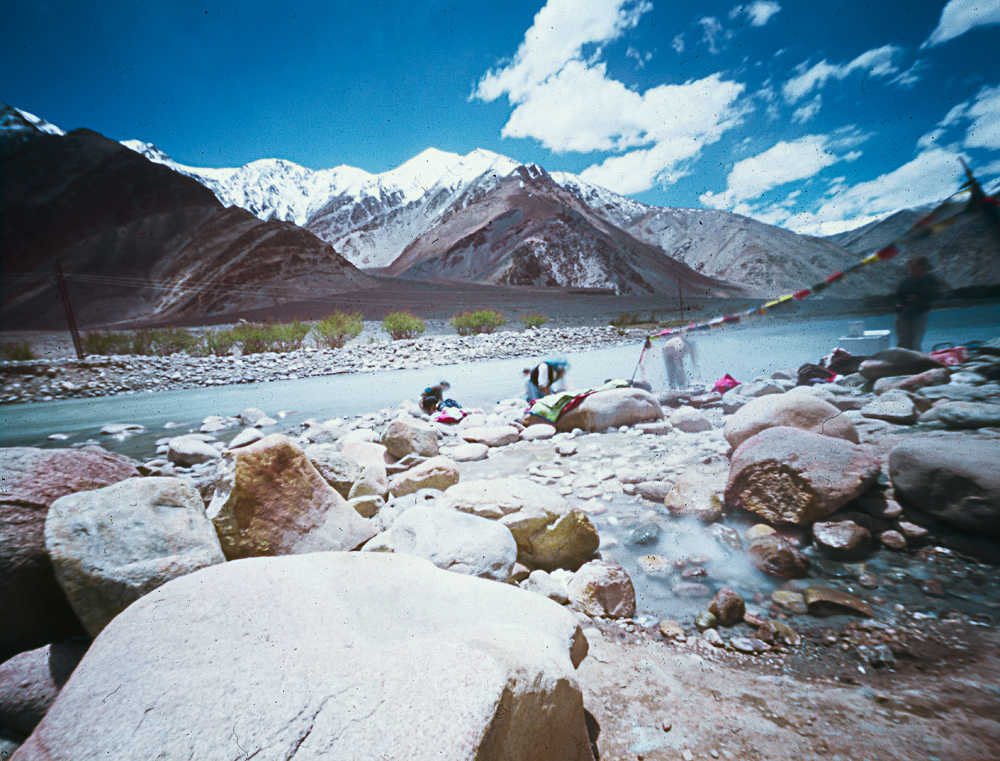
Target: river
[[744, 351]]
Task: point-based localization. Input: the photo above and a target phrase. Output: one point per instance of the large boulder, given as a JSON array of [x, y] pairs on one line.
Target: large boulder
[[612, 408], [964, 415], [435, 473], [786, 475], [958, 483], [29, 683], [491, 436], [549, 533], [191, 449], [451, 540], [33, 609], [893, 407], [802, 411], [111, 546], [602, 589], [270, 500], [896, 361], [330, 655], [407, 435], [339, 470]]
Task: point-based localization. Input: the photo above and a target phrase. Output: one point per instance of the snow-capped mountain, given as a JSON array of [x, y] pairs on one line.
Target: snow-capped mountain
[[268, 188], [17, 125]]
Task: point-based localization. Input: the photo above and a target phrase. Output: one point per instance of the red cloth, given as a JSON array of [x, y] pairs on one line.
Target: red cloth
[[954, 355], [725, 383]]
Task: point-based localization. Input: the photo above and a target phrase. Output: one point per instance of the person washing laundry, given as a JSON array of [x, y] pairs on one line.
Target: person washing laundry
[[675, 349], [432, 397], [543, 377]]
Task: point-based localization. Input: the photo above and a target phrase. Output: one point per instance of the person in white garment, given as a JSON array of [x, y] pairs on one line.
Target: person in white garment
[[675, 350]]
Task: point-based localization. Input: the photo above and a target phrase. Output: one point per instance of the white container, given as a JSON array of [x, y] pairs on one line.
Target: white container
[[868, 343]]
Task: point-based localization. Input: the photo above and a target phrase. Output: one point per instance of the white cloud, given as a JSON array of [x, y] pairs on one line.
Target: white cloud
[[984, 132], [678, 43], [760, 12], [710, 27], [781, 164], [557, 36], [929, 178], [877, 62], [807, 111], [570, 104], [959, 16]]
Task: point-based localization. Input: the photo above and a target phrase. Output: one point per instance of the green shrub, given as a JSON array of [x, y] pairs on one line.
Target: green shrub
[[480, 321], [533, 320], [624, 319], [218, 343], [107, 342], [338, 328], [18, 351], [288, 336], [172, 340], [256, 337], [143, 342], [403, 325]]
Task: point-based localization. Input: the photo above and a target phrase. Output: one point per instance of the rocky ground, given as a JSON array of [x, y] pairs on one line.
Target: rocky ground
[[57, 374], [867, 631]]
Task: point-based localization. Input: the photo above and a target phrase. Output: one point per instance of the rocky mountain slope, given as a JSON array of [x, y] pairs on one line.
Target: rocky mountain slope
[[137, 240], [964, 252], [529, 230], [372, 219]]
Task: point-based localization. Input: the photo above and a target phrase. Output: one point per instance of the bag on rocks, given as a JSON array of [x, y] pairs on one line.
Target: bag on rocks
[[725, 383]]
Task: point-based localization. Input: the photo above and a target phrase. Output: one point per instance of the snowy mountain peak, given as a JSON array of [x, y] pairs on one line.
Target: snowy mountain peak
[[15, 120], [148, 150]]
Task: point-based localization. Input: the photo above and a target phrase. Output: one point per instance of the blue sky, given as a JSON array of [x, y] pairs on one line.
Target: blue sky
[[814, 116]]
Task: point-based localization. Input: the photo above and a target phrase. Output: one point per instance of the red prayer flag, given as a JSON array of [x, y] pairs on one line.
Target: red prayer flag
[[887, 253]]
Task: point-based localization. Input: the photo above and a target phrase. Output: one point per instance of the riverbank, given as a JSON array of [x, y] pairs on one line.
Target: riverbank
[[59, 375]]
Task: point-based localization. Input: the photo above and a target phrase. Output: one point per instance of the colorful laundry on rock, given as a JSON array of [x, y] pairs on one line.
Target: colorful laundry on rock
[[551, 407]]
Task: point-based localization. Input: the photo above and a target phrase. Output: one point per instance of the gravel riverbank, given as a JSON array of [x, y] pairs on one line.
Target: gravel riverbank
[[59, 375]]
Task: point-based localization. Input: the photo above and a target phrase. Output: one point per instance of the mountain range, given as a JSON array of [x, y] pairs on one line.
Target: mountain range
[[144, 235]]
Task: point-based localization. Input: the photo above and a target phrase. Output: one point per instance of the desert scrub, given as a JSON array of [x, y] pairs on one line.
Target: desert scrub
[[218, 343], [402, 325], [338, 328], [479, 321], [172, 341], [533, 320], [17, 351], [107, 342], [259, 337]]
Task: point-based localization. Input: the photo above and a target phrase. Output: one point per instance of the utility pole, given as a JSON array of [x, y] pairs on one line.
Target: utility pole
[[64, 295], [680, 297]]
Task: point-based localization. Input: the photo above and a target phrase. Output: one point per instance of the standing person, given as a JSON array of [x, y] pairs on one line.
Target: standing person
[[675, 349], [432, 396], [913, 303], [542, 377]]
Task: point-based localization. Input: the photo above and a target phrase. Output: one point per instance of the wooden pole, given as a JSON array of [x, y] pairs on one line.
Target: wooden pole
[[64, 295]]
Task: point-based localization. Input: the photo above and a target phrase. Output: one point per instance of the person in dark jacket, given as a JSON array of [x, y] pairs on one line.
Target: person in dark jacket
[[543, 377], [913, 303], [432, 396]]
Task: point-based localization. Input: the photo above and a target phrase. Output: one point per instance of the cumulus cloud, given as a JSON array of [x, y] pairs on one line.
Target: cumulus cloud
[[877, 63], [571, 104], [760, 12], [678, 43], [782, 163], [557, 36], [929, 178], [959, 16]]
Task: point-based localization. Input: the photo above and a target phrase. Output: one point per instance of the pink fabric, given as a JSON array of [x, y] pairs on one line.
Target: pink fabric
[[954, 355], [725, 383]]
